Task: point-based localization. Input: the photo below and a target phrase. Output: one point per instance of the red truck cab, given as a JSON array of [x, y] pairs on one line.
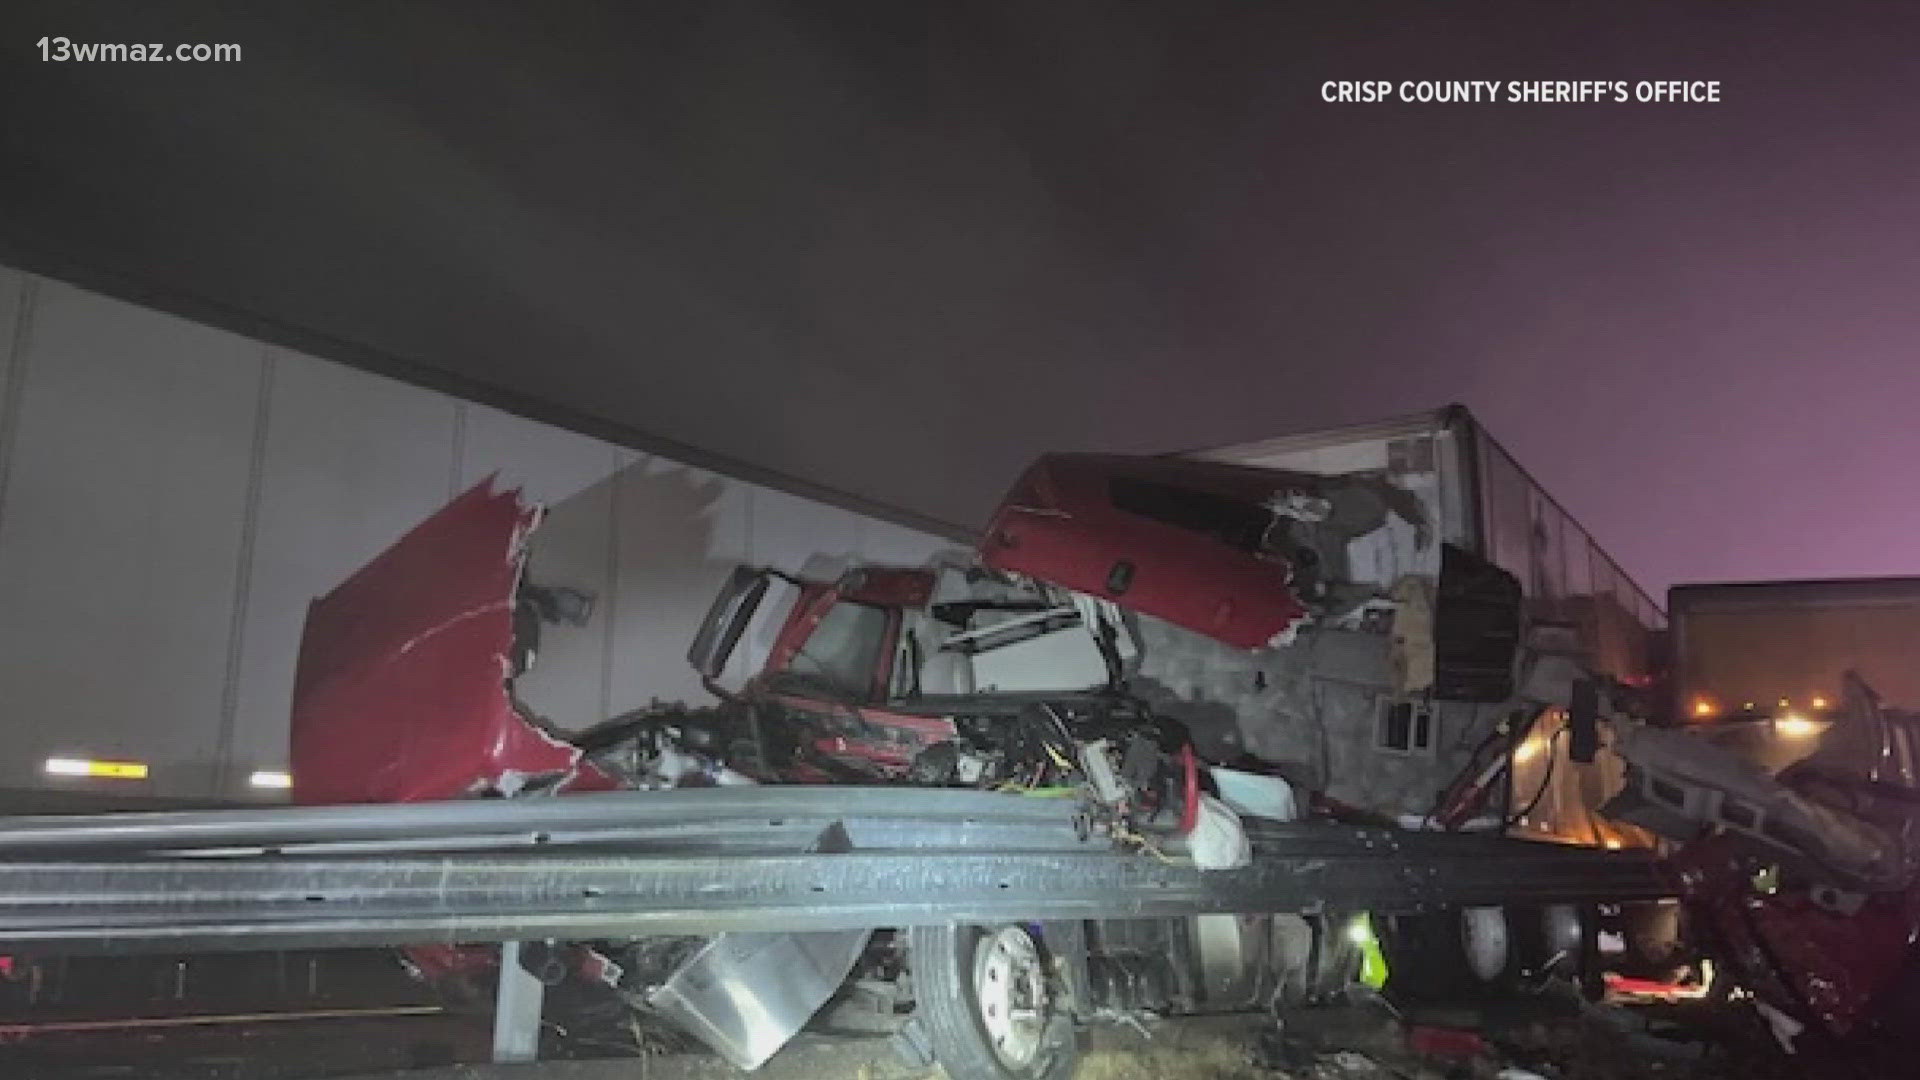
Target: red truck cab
[[873, 665], [1200, 544]]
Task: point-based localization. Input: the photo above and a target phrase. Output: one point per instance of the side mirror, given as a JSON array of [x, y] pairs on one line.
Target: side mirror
[[726, 621]]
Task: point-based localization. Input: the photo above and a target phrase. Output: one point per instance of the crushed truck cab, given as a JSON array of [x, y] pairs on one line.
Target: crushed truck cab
[[873, 668], [1202, 666]]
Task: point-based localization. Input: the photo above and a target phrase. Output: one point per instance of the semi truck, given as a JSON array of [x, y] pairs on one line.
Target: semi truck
[[1184, 733], [1371, 612]]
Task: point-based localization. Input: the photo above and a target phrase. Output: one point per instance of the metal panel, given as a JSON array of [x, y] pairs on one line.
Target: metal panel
[[138, 549], [747, 992], [16, 297], [896, 545], [352, 461], [1270, 453], [790, 532], [119, 549], [576, 546], [548, 464], [673, 556], [14, 289]]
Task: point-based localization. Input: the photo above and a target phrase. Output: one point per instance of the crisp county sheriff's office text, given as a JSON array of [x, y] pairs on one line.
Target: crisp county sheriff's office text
[[1483, 91]]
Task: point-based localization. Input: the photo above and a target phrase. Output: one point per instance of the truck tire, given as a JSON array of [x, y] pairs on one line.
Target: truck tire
[[1564, 943], [1525, 945], [1477, 951], [1488, 944], [1459, 953], [989, 1003]]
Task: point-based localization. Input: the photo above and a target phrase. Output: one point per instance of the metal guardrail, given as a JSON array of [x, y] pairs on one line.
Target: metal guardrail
[[770, 816], [702, 861]]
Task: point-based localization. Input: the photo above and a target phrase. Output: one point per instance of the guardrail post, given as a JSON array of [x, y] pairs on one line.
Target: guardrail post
[[516, 1010]]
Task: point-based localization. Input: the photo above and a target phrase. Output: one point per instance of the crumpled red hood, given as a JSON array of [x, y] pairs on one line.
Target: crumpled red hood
[[1062, 524], [401, 692]]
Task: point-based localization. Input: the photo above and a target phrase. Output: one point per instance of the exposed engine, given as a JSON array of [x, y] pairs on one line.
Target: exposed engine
[[666, 746], [1109, 748]]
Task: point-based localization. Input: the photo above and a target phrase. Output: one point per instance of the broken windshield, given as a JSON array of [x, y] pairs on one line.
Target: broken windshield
[[843, 651]]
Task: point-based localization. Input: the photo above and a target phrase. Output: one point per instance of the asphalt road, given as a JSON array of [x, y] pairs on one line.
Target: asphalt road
[[1209, 1049], [1322, 1044], [444, 1047]]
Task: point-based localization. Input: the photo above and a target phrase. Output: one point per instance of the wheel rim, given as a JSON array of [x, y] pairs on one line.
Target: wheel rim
[[1010, 984], [1483, 935], [1564, 931]]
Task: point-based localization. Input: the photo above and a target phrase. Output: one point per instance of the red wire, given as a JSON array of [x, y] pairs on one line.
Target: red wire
[[1190, 810]]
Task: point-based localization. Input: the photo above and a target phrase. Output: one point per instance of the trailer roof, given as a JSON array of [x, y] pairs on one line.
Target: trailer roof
[[1412, 424]]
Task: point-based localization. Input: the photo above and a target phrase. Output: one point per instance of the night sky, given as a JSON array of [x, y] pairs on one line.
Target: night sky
[[897, 250]]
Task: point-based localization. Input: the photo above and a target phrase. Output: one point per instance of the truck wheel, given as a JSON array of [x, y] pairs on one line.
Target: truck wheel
[[1474, 951], [1487, 943], [1526, 945], [1452, 953], [1567, 946], [990, 1004]]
